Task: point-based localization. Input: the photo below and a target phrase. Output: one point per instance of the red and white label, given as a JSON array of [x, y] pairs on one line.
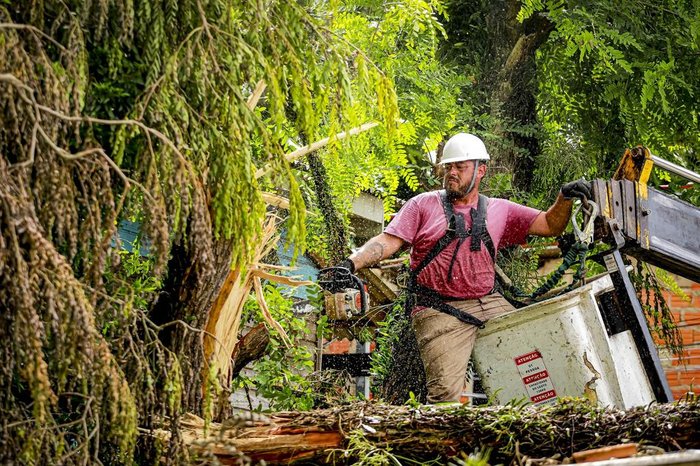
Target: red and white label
[[536, 378]]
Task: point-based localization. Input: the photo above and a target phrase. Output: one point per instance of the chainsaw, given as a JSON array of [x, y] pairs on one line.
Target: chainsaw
[[345, 296]]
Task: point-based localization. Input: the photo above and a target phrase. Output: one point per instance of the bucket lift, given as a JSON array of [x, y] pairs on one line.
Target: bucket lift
[[594, 341], [650, 226]]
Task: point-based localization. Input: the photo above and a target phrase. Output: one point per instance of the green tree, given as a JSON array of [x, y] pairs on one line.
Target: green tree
[[562, 88], [143, 110], [496, 52], [400, 38], [615, 75]]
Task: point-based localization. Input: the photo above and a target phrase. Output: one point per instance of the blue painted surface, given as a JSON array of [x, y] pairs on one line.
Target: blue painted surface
[[305, 268], [128, 233]]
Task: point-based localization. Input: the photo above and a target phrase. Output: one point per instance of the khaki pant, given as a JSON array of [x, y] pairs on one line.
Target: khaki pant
[[446, 343]]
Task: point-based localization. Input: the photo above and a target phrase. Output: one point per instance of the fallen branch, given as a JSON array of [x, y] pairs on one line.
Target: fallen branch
[[250, 347], [302, 151], [343, 434], [267, 315], [289, 281], [255, 96]]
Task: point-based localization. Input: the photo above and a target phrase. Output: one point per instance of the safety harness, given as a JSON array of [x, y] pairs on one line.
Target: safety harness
[[456, 230]]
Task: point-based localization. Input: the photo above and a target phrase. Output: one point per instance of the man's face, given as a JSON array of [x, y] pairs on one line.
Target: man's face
[[458, 176]]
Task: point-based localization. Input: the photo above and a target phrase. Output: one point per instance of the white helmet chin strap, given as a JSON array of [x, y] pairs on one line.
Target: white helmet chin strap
[[471, 184]]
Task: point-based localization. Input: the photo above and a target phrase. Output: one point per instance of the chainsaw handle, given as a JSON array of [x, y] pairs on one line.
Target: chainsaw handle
[[363, 294]]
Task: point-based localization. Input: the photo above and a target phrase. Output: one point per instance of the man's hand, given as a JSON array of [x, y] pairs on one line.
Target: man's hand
[[554, 221], [347, 264], [337, 278], [579, 188]]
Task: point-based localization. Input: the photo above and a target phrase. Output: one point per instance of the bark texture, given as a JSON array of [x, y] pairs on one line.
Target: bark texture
[[188, 293], [498, 53], [250, 347], [514, 100]]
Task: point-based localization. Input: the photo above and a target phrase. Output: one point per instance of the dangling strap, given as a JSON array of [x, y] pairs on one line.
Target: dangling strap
[[479, 231], [427, 297]]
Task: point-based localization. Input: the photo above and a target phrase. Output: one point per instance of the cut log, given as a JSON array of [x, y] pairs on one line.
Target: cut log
[[624, 450], [344, 434], [249, 348]]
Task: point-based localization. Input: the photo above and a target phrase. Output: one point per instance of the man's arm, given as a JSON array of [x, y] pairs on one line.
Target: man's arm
[[554, 220], [376, 249]]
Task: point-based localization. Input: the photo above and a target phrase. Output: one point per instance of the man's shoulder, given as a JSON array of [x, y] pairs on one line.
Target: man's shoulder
[[504, 207], [500, 202], [500, 206], [426, 198]]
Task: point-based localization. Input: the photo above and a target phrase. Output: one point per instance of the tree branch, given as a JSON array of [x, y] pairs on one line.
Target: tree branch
[[302, 151]]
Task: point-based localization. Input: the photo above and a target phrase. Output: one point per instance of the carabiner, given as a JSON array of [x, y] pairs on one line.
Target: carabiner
[[586, 235]]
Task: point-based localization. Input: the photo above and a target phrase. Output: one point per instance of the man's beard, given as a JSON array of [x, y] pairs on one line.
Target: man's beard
[[455, 194]]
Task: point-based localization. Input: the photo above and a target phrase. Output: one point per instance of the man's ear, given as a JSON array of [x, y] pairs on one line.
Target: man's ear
[[482, 169]]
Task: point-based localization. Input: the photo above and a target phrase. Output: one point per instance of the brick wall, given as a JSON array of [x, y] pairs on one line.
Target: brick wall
[[684, 375]]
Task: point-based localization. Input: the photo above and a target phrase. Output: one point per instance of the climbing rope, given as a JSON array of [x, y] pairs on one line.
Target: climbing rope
[[575, 255]]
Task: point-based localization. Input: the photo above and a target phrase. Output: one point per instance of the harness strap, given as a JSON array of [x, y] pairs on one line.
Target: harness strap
[[456, 229], [430, 298], [454, 258], [479, 231], [441, 244]]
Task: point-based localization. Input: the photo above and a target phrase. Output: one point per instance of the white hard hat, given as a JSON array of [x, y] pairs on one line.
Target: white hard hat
[[463, 146]]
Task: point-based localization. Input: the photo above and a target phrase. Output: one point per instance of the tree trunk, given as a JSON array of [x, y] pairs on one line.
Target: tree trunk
[[498, 53], [514, 101], [191, 287], [346, 434]]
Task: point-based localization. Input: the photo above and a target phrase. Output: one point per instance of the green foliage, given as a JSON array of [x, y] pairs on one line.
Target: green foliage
[[364, 452], [670, 284], [120, 109], [388, 333], [281, 376], [138, 273], [649, 284], [615, 75], [153, 372], [401, 39], [606, 76], [520, 265], [477, 458], [678, 186], [412, 401]]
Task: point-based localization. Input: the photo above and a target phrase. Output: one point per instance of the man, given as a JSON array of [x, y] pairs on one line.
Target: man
[[454, 235]]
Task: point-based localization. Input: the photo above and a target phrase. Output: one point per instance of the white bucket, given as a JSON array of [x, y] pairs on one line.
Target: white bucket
[[560, 347]]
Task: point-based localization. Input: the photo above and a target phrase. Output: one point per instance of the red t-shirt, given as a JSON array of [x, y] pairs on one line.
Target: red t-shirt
[[421, 223]]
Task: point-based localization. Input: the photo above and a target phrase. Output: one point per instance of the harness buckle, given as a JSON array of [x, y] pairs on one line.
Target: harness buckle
[[465, 234]]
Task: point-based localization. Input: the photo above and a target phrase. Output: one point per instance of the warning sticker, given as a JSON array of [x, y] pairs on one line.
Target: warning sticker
[[536, 378]]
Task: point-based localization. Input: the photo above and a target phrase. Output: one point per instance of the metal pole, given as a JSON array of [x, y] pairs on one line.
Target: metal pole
[[677, 169], [637, 325]]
